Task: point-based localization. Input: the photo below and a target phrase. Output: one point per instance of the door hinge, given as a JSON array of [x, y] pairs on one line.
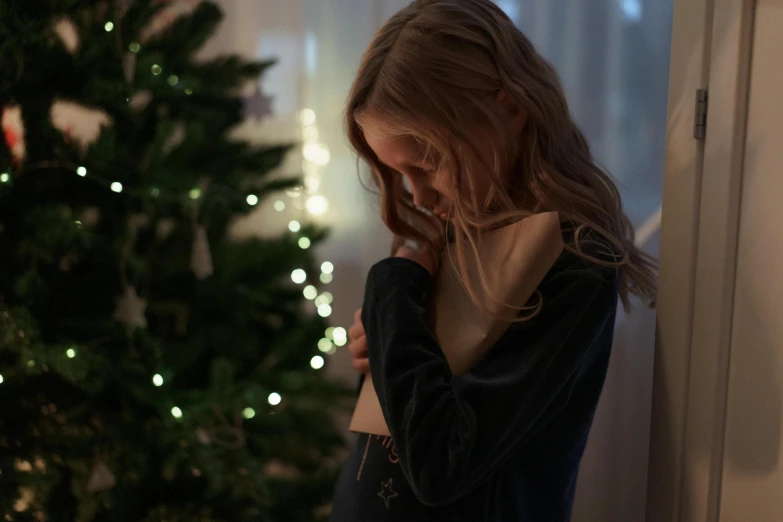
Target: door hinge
[[700, 119]]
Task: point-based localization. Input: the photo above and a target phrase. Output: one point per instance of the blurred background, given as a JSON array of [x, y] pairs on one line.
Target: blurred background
[[613, 58]]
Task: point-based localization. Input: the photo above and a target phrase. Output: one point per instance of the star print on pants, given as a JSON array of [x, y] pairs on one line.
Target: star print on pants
[[387, 493]]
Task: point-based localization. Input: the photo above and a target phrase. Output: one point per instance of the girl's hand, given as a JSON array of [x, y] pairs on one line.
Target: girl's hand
[[358, 344], [422, 255]]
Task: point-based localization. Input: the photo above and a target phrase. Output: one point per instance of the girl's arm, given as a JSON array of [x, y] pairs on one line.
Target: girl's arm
[[452, 432]]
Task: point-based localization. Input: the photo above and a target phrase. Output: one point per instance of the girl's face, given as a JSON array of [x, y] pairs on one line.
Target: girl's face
[[431, 189]]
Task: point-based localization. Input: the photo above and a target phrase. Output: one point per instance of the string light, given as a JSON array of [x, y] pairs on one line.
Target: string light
[[173, 80], [317, 205], [279, 206], [316, 153], [340, 336], [324, 310], [304, 243], [155, 191], [4, 177], [294, 226], [324, 345], [326, 278], [81, 171], [134, 47], [1, 378], [188, 91], [248, 413], [116, 187], [327, 267], [195, 193], [156, 69], [252, 200], [157, 379], [330, 332], [298, 276], [311, 183], [109, 27], [30, 363], [310, 292], [317, 362], [71, 353], [274, 398], [307, 117], [176, 412]]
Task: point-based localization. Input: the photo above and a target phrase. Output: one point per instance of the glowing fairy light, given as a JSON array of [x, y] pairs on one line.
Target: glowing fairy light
[[157, 379], [274, 398], [252, 200], [310, 292], [176, 412], [294, 226], [317, 362], [340, 336], [116, 187], [324, 310], [317, 205], [279, 206], [71, 353], [327, 267], [298, 276], [81, 171], [248, 413], [324, 345], [304, 243], [307, 117]]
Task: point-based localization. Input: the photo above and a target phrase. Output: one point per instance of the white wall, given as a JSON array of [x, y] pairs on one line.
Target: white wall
[[753, 454]]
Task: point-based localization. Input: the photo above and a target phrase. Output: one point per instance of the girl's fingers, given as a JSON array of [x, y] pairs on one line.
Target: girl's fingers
[[356, 331], [358, 347], [362, 365]]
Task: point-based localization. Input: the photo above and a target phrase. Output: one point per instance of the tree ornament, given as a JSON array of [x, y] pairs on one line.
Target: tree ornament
[[101, 477], [167, 16], [130, 309], [201, 258], [13, 132], [258, 105], [66, 30], [139, 101], [78, 122]]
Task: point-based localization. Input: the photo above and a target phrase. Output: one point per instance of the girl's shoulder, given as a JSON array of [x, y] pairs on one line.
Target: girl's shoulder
[[588, 255]]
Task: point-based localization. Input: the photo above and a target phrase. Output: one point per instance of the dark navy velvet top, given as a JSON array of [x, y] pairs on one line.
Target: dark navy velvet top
[[499, 444]]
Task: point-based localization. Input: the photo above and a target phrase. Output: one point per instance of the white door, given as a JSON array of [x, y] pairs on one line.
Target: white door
[[752, 482], [718, 400]]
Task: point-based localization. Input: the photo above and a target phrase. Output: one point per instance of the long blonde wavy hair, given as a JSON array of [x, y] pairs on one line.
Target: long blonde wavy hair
[[430, 75]]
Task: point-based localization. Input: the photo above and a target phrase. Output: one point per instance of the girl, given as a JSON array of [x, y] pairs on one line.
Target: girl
[[467, 128]]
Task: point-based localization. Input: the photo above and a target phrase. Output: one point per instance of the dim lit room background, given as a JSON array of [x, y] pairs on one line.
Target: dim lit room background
[[613, 59]]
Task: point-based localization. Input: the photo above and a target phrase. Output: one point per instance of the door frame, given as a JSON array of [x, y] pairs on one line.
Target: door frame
[[711, 48]]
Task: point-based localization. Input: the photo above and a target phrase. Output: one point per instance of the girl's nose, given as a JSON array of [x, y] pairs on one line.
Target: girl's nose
[[423, 195]]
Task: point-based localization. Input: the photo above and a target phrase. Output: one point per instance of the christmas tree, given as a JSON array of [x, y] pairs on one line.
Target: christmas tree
[[152, 366]]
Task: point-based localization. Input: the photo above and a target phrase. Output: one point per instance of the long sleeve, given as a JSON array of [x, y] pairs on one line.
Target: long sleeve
[[452, 432]]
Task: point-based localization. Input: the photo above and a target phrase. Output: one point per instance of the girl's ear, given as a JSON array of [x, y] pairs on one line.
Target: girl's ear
[[513, 109]]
